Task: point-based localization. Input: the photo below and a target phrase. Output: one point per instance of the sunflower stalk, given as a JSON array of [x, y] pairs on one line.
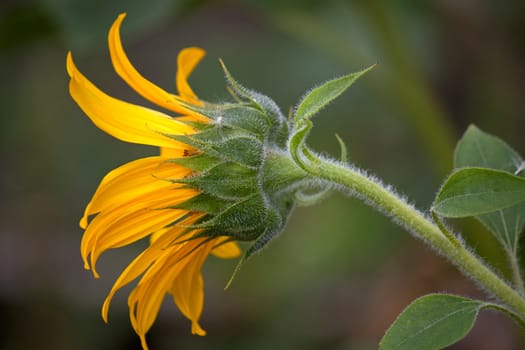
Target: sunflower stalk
[[356, 182], [371, 191]]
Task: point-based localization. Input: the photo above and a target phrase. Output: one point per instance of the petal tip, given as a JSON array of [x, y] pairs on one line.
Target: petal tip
[[70, 65], [83, 222], [105, 310], [143, 342], [196, 329], [118, 21]]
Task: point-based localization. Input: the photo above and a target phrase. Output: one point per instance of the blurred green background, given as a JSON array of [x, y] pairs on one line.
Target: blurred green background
[[340, 273]]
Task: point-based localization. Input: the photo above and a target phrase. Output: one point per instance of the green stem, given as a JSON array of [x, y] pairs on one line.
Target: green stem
[[507, 312], [516, 271], [414, 221]]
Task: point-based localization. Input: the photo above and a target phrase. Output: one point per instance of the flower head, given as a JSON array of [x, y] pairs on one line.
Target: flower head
[[223, 175]]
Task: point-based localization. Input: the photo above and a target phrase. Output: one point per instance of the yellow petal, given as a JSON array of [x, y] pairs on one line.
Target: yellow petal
[[132, 229], [145, 304], [137, 267], [173, 152], [226, 250], [187, 60], [122, 120], [152, 209], [130, 222], [158, 250], [133, 78], [130, 181], [188, 288], [155, 283], [100, 224]]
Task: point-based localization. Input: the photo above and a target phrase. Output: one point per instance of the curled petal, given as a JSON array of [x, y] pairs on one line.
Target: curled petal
[[133, 78], [122, 120], [130, 181], [130, 222], [137, 267], [127, 230], [187, 60], [140, 199], [154, 252], [145, 300], [188, 289]]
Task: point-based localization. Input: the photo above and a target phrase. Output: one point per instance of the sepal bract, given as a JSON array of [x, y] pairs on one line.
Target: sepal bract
[[243, 170]]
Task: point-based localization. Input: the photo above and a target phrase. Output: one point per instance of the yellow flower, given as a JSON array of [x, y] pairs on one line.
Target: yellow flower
[[140, 199]]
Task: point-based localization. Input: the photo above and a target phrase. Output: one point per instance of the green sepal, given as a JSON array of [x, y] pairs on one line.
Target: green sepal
[[274, 226], [215, 135], [298, 150], [242, 220], [247, 151], [245, 117], [205, 203], [195, 124], [226, 180], [242, 114], [199, 162], [319, 97], [203, 145], [229, 145], [307, 199], [258, 100], [344, 150]]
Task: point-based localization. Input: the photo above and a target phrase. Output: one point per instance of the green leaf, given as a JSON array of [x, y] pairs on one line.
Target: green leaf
[[432, 322], [506, 224], [476, 191], [322, 95], [479, 149]]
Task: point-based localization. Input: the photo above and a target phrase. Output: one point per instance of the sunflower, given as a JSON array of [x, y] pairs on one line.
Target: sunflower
[[142, 198]]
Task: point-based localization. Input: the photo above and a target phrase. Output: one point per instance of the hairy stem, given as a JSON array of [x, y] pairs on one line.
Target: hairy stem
[[385, 200], [516, 271]]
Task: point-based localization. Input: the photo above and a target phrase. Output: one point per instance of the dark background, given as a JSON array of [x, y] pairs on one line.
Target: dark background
[[340, 273]]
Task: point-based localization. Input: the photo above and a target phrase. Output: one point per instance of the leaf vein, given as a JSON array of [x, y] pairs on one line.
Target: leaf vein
[[432, 324]]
